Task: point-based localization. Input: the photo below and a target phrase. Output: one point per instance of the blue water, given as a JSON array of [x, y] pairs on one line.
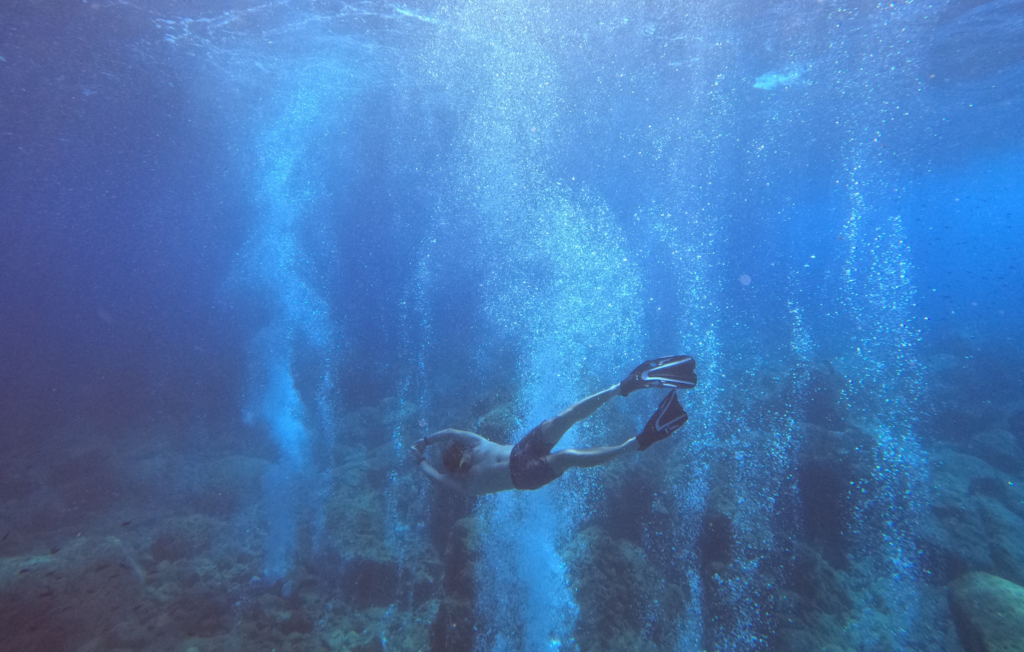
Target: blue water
[[251, 251]]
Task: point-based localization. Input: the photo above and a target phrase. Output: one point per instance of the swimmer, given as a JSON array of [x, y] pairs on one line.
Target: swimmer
[[475, 465]]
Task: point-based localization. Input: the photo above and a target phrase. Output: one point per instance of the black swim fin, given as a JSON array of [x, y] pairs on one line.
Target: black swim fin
[[675, 371], [670, 417]]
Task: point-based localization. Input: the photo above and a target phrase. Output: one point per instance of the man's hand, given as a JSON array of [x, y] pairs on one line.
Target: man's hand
[[418, 449]]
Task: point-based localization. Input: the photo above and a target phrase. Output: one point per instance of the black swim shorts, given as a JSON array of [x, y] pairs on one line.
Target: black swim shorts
[[529, 468]]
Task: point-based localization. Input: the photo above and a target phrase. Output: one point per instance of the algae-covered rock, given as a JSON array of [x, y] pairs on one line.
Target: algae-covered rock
[[974, 521], [1015, 425], [619, 593], [499, 424], [183, 537], [988, 612], [84, 591], [454, 626]]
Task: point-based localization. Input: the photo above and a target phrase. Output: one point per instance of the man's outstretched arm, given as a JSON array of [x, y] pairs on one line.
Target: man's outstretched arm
[[449, 434], [436, 477]]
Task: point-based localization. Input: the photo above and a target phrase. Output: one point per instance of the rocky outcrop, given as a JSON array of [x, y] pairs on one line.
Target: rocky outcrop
[[621, 595], [988, 612], [82, 593], [974, 519], [454, 626]]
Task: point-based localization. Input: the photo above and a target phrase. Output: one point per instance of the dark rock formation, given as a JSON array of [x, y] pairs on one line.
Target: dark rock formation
[[999, 449], [715, 555], [86, 591], [988, 612], [370, 582], [1015, 424], [831, 466], [620, 594], [181, 538], [974, 520], [821, 396], [453, 629]]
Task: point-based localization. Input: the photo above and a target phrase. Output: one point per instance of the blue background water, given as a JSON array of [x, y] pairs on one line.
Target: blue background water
[[309, 233]]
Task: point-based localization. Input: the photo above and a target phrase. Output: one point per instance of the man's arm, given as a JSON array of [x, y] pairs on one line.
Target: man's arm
[[448, 434], [437, 478]]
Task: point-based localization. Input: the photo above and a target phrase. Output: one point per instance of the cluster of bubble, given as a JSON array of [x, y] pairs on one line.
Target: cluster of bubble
[[271, 265], [885, 383], [556, 282]]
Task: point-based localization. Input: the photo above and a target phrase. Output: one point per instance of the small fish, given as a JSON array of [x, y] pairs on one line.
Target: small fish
[[126, 524], [54, 550], [6, 535], [23, 570]]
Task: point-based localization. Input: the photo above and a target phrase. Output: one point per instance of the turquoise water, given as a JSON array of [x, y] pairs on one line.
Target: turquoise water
[[250, 252]]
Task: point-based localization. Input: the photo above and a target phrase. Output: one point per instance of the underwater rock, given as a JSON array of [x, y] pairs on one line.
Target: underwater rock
[[201, 610], [716, 539], [988, 612], [821, 396], [961, 393], [128, 634], [453, 629], [493, 416], [499, 424], [361, 562], [376, 423], [375, 644], [1015, 425], [779, 385], [975, 520], [183, 537], [818, 585], [370, 582], [998, 448], [623, 599], [83, 592], [772, 389], [716, 557], [830, 465], [298, 622], [224, 485]]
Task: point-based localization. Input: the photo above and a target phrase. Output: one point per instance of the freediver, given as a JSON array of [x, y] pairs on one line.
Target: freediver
[[476, 465]]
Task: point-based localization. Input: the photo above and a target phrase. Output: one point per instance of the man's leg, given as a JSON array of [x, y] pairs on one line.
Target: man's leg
[[553, 429], [561, 461]]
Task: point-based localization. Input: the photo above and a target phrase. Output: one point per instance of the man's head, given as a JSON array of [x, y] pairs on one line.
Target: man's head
[[457, 458]]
